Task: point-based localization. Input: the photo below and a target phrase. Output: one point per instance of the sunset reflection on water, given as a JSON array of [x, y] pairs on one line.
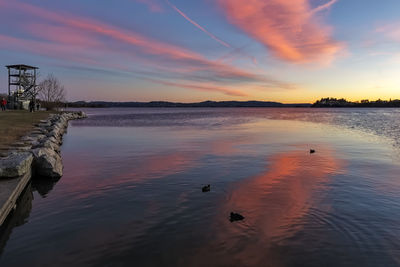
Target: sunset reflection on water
[[282, 194], [274, 203]]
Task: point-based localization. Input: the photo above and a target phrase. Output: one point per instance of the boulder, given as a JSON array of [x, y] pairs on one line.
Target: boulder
[[44, 124], [61, 126], [47, 163], [38, 130], [54, 134], [15, 165], [49, 143], [36, 144], [37, 139], [82, 114], [52, 139]]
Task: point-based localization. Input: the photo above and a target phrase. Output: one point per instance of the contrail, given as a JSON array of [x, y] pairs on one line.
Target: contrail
[[322, 7], [198, 26]]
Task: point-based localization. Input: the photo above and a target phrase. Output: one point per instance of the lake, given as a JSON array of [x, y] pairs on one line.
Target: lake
[[131, 191]]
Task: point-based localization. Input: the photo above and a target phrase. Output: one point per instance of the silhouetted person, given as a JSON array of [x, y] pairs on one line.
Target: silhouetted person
[[37, 106], [31, 106], [3, 104]]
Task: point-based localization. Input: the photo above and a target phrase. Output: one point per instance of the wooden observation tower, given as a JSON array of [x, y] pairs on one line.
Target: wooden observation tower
[[21, 84]]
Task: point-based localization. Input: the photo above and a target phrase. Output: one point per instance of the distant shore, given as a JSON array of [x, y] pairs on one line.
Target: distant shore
[[166, 104], [322, 103], [343, 103]]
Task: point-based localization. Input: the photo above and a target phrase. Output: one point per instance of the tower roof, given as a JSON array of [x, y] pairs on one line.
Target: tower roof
[[22, 67]]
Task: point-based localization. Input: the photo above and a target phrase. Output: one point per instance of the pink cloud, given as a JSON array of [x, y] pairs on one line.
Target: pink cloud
[[62, 34], [288, 29], [143, 43], [198, 26], [390, 31], [94, 43], [153, 5]]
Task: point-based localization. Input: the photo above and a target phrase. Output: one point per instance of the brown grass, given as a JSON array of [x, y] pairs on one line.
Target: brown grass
[[16, 123]]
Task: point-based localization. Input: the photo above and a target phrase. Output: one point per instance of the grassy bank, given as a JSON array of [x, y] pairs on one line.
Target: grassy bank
[[16, 123]]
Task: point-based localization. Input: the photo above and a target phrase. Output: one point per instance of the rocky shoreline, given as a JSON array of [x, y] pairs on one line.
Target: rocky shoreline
[[37, 154], [39, 151]]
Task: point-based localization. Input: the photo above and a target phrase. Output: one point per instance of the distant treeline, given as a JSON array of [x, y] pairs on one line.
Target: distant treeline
[[164, 104], [334, 102]]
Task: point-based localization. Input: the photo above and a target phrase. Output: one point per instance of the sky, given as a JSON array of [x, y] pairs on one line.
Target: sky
[[291, 51]]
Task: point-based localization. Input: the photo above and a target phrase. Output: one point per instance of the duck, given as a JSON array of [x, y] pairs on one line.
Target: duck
[[312, 151], [206, 188], [236, 217]]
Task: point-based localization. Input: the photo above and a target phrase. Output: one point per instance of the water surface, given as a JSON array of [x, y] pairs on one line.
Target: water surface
[[131, 191]]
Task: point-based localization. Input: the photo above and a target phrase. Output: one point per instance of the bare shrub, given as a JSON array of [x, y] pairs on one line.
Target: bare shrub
[[51, 92]]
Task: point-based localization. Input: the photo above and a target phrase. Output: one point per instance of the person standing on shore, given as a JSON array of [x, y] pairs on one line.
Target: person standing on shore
[[3, 104], [31, 106]]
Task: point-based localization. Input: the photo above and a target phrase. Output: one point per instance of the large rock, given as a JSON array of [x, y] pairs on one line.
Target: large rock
[[44, 124], [82, 114], [15, 165], [55, 132], [49, 143], [47, 163]]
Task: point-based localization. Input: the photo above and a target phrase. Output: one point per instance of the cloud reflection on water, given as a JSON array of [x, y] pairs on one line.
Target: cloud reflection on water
[[274, 203], [132, 171]]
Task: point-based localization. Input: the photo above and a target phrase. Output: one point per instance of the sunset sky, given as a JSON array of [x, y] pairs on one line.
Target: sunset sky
[[195, 50]]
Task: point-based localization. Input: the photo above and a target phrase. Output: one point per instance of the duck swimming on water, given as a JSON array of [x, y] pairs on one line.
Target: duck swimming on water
[[206, 188], [312, 151], [236, 217]]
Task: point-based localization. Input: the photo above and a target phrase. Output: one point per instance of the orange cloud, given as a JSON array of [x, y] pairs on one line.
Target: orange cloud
[[287, 28], [198, 26]]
